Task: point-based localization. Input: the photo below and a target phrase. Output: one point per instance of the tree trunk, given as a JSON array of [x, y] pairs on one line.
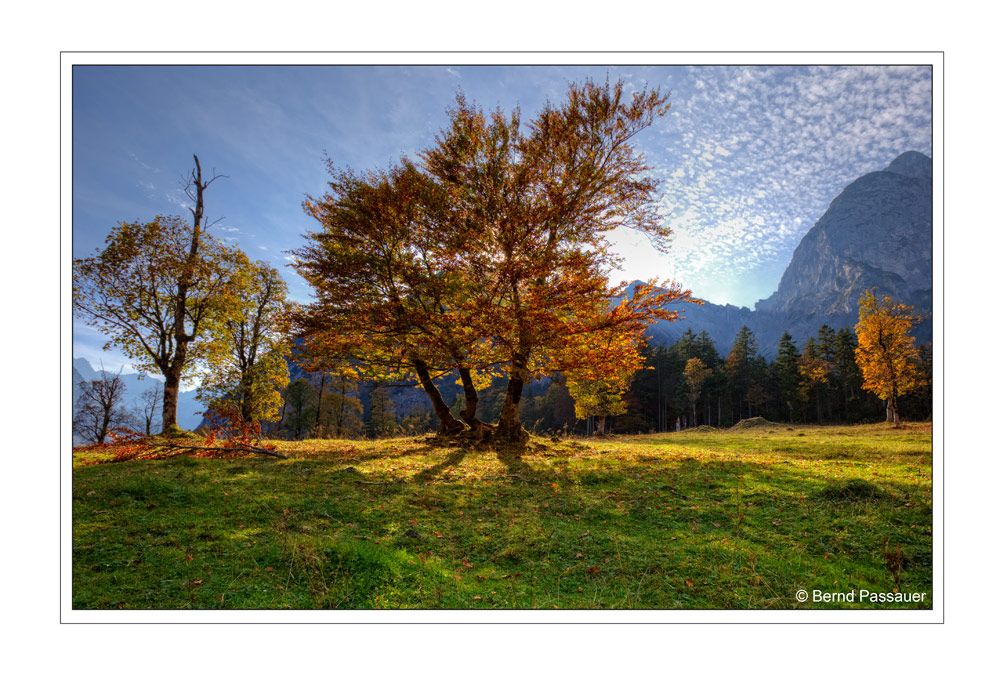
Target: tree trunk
[[181, 338], [245, 412], [449, 425], [891, 414], [284, 405], [694, 414], [319, 405], [105, 423], [171, 388], [468, 414], [343, 408], [509, 427]]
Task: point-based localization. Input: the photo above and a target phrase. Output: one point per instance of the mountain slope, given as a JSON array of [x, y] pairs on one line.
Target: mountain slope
[[876, 233]]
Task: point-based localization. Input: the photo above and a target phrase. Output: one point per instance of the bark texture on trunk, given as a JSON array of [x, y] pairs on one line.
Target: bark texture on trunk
[[171, 388], [891, 414], [181, 337], [509, 427], [449, 425], [468, 413]]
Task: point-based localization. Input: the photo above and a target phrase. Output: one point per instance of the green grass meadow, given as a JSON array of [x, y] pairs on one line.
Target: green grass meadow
[[738, 519]]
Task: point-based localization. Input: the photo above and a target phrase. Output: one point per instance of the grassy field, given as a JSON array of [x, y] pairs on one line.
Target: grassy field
[[713, 519]]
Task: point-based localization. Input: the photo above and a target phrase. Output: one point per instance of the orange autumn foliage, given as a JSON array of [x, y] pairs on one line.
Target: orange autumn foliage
[[886, 353]]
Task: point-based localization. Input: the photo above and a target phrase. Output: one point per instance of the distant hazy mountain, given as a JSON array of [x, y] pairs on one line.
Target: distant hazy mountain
[[188, 409], [877, 232]]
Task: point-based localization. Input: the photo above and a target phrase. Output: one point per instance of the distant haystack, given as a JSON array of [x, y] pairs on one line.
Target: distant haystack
[[753, 423]]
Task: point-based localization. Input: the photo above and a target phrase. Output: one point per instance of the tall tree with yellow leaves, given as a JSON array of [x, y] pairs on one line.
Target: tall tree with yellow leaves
[[158, 289], [695, 372], [246, 366], [886, 354]]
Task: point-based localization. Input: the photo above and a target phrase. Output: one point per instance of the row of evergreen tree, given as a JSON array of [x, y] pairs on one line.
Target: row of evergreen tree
[[819, 384]]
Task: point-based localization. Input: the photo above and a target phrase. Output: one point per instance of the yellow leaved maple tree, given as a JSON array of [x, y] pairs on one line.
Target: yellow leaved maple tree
[[886, 353]]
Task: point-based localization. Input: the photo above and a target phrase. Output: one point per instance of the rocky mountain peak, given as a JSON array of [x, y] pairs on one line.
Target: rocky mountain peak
[[876, 232], [913, 164]]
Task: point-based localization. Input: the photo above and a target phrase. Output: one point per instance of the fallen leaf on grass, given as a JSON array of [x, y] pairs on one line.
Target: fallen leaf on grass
[[689, 581]]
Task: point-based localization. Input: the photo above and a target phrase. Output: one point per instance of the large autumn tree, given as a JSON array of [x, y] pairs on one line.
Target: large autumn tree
[[492, 254], [533, 206], [886, 354], [156, 289]]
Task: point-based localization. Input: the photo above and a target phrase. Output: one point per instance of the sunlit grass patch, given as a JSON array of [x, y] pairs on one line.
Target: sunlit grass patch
[[723, 519]]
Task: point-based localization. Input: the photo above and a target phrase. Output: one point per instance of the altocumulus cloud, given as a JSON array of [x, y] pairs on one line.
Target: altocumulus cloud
[[750, 157]]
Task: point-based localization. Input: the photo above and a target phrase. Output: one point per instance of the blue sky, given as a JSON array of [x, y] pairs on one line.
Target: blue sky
[[749, 157]]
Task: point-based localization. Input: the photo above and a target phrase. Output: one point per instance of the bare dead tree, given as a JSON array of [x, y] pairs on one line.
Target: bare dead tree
[[195, 190], [149, 406], [99, 407]]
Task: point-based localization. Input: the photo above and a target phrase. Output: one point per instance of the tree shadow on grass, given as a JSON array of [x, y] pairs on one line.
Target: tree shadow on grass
[[454, 458], [512, 457]]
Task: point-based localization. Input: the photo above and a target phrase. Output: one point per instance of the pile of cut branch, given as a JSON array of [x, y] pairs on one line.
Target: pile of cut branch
[[229, 436]]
